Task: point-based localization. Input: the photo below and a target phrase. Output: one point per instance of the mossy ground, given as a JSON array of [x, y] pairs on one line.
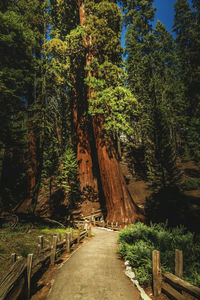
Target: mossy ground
[[23, 240]]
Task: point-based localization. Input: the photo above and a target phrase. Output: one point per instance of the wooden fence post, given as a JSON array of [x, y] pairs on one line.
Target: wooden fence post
[[68, 241], [53, 253], [179, 263], [157, 276], [13, 258], [40, 243], [82, 226], [29, 269], [78, 238], [93, 218], [59, 237], [71, 234], [89, 230]]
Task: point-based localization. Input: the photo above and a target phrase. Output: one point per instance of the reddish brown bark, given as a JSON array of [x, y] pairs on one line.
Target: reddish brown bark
[[32, 161], [120, 206], [84, 157], [26, 206]]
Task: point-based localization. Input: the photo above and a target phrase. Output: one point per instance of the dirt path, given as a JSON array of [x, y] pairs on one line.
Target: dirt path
[[94, 272]]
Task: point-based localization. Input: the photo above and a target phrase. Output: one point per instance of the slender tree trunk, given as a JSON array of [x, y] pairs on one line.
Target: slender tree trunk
[[2, 154], [26, 205], [32, 161]]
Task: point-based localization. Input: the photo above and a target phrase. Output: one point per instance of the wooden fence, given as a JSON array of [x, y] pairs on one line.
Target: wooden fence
[[97, 219], [17, 282], [172, 285]]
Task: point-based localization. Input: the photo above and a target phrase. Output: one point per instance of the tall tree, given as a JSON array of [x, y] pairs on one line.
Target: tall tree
[[151, 69], [103, 60], [17, 64], [186, 27]]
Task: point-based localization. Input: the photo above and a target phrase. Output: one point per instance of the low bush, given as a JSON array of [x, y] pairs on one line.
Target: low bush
[[138, 241], [191, 184]]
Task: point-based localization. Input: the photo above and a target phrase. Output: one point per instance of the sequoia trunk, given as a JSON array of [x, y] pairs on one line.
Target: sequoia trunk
[[88, 183], [120, 206], [27, 205]]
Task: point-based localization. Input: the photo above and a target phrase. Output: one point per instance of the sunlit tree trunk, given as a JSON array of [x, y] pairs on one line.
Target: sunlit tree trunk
[[84, 156], [119, 204]]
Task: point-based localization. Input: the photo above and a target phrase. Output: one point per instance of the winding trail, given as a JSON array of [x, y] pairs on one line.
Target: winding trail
[[94, 272]]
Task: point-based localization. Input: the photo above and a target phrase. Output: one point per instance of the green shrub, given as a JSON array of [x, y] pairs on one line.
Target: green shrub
[[138, 241], [191, 184]]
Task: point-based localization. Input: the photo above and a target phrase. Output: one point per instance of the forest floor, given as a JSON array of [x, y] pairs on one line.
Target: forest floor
[[23, 240]]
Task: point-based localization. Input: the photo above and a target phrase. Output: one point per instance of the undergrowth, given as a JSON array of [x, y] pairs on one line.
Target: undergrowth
[[191, 184], [138, 241], [22, 240]]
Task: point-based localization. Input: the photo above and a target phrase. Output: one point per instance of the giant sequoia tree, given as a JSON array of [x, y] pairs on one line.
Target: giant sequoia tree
[[101, 23]]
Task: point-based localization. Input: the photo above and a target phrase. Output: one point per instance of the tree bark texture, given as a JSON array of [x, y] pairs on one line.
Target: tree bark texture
[[120, 206], [88, 182], [26, 206]]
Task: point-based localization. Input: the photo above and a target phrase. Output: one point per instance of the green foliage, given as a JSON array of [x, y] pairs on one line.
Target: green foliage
[[62, 55], [138, 241], [67, 174], [118, 106], [187, 26], [153, 79], [191, 184], [102, 25], [193, 137]]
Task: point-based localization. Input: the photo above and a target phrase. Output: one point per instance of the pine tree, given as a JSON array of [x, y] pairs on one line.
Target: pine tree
[[15, 77], [186, 27], [153, 78]]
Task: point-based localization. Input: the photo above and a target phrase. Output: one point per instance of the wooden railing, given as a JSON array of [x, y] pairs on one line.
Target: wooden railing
[[16, 284], [172, 285], [96, 218]]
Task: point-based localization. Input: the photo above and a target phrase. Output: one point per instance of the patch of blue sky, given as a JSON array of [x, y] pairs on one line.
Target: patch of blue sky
[[164, 13]]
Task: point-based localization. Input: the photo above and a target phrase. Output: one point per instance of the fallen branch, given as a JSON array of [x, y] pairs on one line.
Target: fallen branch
[[54, 222]]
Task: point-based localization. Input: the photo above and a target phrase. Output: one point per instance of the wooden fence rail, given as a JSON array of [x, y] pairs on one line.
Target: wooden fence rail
[[17, 281], [102, 223], [172, 285]]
